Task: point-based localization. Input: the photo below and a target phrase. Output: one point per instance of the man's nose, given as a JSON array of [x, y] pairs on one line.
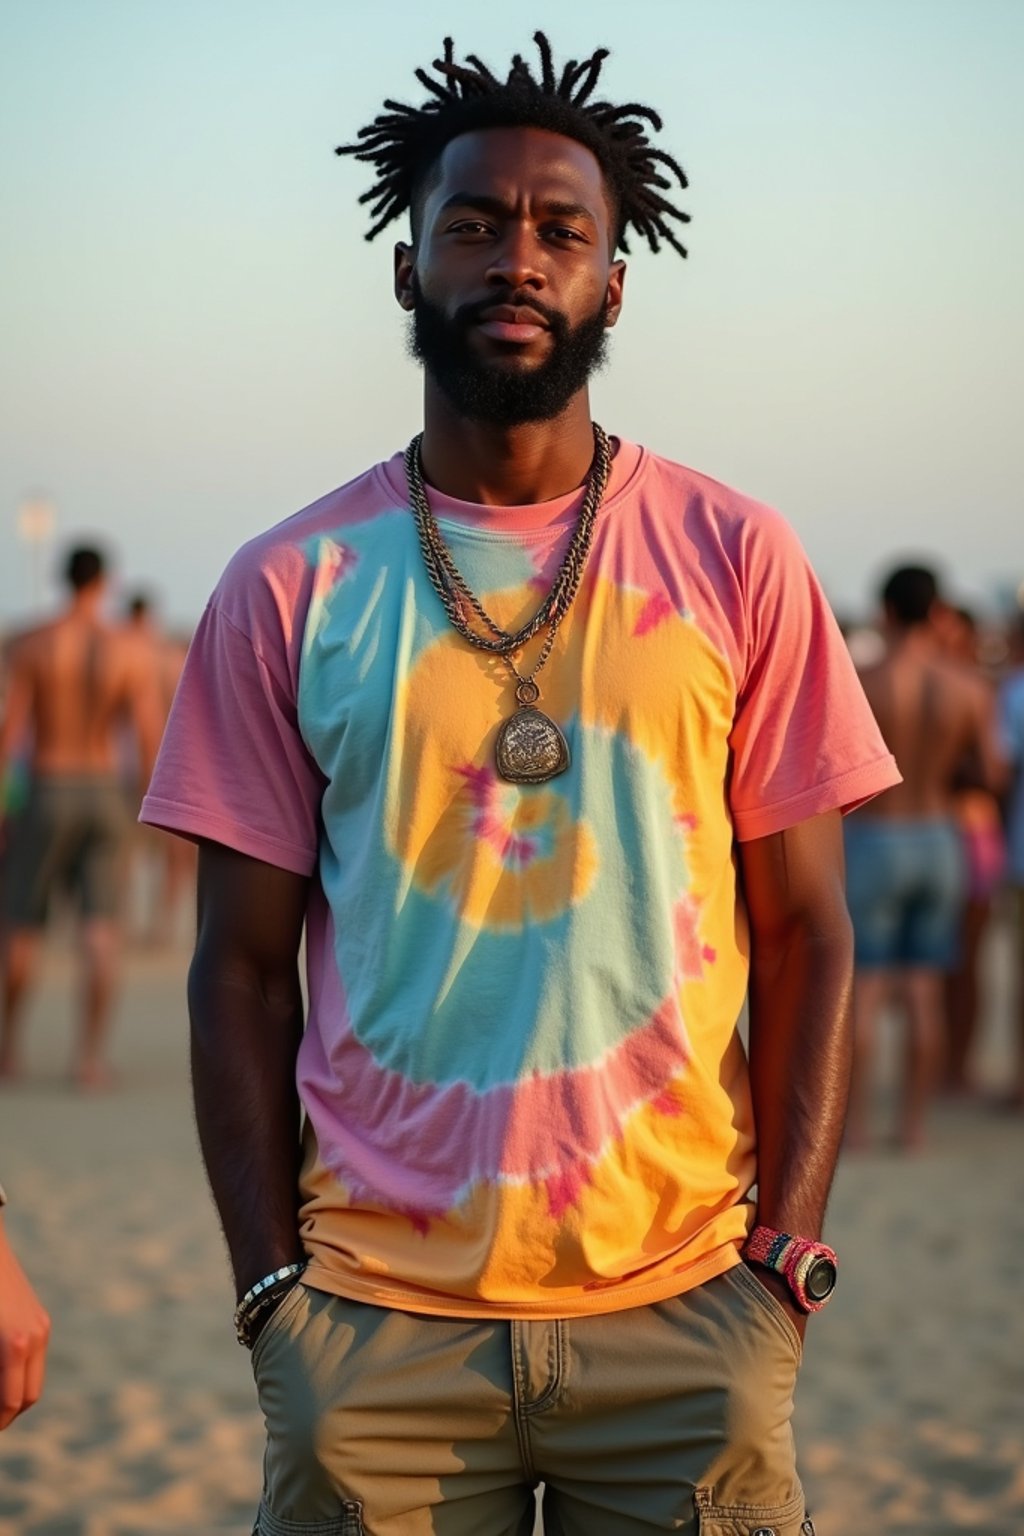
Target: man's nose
[[516, 261]]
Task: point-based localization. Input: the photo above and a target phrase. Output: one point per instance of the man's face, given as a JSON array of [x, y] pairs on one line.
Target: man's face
[[511, 284]]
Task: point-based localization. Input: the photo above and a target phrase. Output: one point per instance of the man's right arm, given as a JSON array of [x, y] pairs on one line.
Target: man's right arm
[[246, 1012]]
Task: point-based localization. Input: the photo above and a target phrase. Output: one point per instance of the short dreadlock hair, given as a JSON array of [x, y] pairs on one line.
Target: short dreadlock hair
[[403, 143]]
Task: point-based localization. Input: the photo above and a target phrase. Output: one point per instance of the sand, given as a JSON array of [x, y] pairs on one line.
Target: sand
[[911, 1401]]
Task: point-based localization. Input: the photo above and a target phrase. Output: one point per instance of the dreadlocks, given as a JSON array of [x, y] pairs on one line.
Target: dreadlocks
[[403, 142]]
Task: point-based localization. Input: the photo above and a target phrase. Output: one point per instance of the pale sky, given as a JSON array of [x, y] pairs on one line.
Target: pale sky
[[195, 340]]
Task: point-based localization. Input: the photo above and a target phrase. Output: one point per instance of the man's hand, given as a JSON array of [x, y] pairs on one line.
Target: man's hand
[[780, 1290], [24, 1332]]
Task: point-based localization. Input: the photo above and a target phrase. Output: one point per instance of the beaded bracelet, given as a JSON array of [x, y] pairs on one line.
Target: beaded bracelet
[[255, 1300]]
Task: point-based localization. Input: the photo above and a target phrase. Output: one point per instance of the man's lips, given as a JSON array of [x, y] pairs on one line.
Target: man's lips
[[516, 323]]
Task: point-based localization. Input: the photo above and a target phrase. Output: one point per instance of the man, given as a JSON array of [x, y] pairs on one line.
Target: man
[[906, 868], [488, 721], [979, 820], [71, 682], [166, 865], [1011, 712], [24, 1333]]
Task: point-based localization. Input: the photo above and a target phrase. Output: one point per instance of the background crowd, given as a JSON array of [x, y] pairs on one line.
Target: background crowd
[[84, 694]]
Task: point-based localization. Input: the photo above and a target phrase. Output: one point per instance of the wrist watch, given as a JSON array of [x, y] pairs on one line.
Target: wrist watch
[[808, 1268]]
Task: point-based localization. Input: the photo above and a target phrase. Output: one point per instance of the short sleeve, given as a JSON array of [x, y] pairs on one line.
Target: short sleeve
[[233, 766], [804, 739]]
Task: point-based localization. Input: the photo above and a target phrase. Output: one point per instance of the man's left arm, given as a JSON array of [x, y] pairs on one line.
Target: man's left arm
[[16, 715], [801, 1031], [145, 712]]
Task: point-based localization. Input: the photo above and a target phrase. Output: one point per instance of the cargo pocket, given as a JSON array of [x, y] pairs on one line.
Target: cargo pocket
[[349, 1522], [750, 1520]]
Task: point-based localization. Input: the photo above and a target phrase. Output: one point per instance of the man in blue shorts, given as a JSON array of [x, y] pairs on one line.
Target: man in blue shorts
[[906, 875]]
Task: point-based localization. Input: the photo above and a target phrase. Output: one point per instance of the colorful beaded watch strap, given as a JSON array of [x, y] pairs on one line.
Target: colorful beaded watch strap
[[792, 1258]]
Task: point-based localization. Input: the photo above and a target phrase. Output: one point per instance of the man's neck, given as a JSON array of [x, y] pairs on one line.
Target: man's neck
[[85, 606], [918, 642], [506, 466]]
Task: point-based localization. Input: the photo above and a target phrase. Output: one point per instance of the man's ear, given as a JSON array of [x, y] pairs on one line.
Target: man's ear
[[613, 293], [405, 266]]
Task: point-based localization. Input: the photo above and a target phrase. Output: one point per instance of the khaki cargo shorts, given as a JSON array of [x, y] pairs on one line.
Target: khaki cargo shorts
[[671, 1417]]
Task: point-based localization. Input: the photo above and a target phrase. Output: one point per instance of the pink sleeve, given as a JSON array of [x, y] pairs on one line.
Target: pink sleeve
[[233, 766], [804, 739]]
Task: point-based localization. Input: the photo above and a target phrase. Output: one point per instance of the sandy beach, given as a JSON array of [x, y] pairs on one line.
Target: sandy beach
[[911, 1407]]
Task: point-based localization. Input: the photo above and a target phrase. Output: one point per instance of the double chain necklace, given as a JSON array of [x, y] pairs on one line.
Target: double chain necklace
[[530, 748]]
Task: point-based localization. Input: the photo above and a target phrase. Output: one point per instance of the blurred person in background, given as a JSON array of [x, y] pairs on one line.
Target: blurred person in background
[[978, 815], [1011, 718], [907, 877], [162, 869], [71, 682], [24, 1333]]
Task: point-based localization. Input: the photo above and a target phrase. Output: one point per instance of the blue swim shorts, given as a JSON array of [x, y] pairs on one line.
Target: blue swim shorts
[[906, 884]]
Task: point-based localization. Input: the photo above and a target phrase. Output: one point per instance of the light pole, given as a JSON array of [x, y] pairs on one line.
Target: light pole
[[37, 518]]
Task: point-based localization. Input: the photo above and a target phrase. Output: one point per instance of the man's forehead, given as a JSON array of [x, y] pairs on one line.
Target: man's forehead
[[512, 160]]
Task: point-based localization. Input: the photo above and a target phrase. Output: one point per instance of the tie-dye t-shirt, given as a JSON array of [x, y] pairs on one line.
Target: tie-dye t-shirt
[[524, 1089]]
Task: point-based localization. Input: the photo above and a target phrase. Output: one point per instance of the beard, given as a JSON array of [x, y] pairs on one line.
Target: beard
[[496, 392]]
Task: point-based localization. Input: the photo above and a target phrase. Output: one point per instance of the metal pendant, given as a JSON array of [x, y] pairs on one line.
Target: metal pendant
[[530, 748]]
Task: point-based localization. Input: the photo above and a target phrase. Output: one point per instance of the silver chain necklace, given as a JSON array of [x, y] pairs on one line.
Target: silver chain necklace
[[530, 748]]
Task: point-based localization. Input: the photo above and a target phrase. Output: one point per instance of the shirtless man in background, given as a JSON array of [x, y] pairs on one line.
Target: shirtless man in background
[[167, 864], [906, 872], [71, 682], [980, 819]]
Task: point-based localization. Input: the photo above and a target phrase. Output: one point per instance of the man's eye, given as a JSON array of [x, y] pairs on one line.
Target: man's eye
[[565, 232], [470, 227]]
